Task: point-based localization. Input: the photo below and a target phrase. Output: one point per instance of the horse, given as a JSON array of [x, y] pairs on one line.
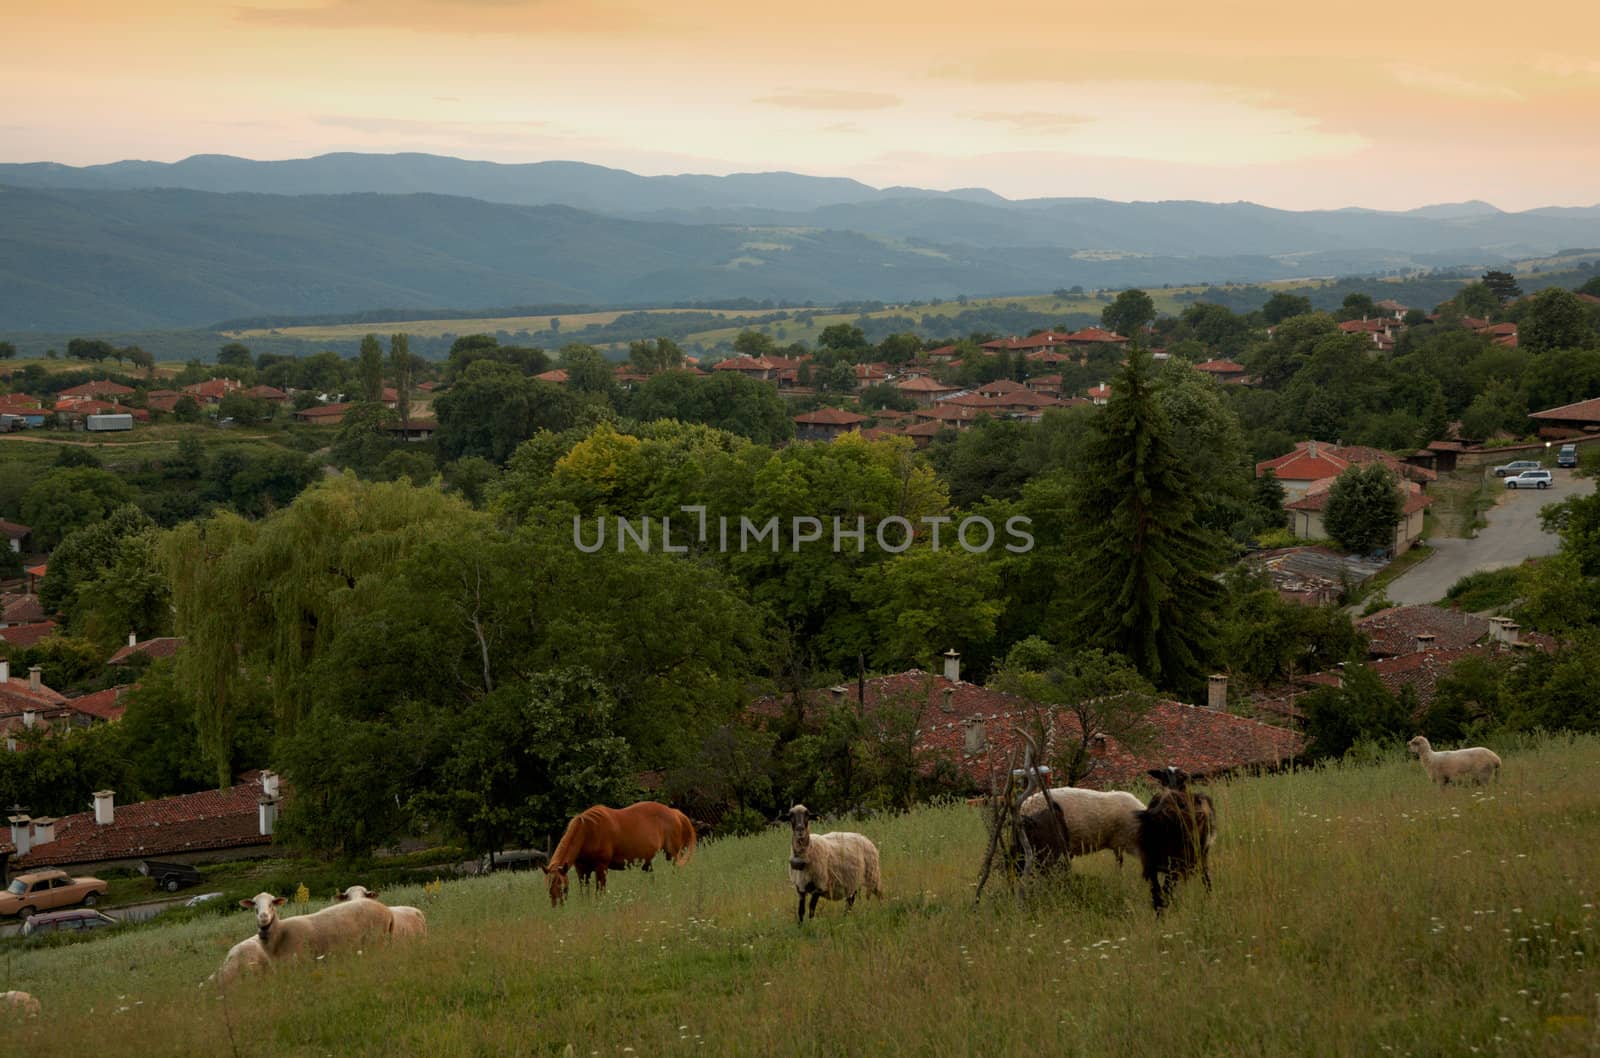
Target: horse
[[601, 839]]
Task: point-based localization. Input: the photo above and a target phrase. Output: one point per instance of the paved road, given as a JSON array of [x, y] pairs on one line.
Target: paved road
[[1513, 534], [125, 913]]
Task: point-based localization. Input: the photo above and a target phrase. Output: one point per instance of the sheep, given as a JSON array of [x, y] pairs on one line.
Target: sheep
[[1095, 820], [344, 924], [1476, 764], [248, 956], [19, 1004], [839, 866], [408, 921], [1176, 831]]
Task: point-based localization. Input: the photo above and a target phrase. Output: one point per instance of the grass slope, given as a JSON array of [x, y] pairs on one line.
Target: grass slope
[[1358, 910]]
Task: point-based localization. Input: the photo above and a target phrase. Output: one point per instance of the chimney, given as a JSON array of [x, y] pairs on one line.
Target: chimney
[[1217, 693], [952, 666], [1097, 746], [1512, 632], [21, 836], [133, 640], [44, 831], [976, 738], [105, 808], [269, 783], [30, 716], [35, 682], [1338, 675], [1311, 449], [838, 692], [5, 671], [947, 702], [1497, 629], [267, 815], [1424, 642]]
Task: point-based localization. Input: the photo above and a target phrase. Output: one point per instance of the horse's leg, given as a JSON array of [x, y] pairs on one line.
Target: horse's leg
[[648, 861], [600, 881]]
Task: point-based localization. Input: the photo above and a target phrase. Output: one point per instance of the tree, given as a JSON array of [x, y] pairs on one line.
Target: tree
[[1503, 285], [243, 409], [1364, 506], [7, 350], [186, 409], [898, 348], [727, 400], [842, 338], [655, 355], [1557, 319], [1140, 578], [364, 439], [1104, 696], [1281, 306], [141, 359], [71, 498], [84, 555], [370, 368], [1359, 709], [1128, 314], [472, 476], [400, 358], [587, 370], [1267, 497], [234, 354], [89, 349], [1357, 306], [493, 408]]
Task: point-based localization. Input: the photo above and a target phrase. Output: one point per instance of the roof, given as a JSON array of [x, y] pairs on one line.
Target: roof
[[20, 609], [88, 407], [942, 351], [103, 705], [211, 819], [1314, 574], [1420, 670], [1000, 387], [13, 530], [1201, 741], [322, 411], [101, 388], [18, 696], [1100, 392], [1095, 334], [24, 636], [830, 417], [159, 647], [266, 393], [745, 363], [1582, 411], [924, 384], [1221, 367], [1310, 461], [555, 376], [1317, 496], [1364, 326], [1395, 631], [213, 387]]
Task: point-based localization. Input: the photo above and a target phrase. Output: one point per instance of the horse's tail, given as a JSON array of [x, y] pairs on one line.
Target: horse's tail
[[686, 841]]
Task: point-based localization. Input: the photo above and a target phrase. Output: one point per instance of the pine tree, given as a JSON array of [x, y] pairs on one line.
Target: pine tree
[[371, 369], [400, 353], [1503, 284], [1141, 576]]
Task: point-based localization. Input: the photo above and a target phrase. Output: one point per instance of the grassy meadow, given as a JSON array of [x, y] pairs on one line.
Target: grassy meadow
[[1358, 910]]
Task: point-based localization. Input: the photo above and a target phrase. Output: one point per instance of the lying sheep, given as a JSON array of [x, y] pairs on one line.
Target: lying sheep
[[839, 866], [20, 1004], [342, 925], [1095, 820], [248, 956], [1176, 831], [408, 921], [1476, 765]]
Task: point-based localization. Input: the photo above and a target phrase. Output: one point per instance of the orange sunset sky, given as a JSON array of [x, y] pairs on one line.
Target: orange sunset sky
[[1392, 104]]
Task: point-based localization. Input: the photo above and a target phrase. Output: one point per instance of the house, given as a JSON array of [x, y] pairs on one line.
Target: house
[[974, 728], [756, 367], [20, 608], [159, 647], [106, 705], [925, 390], [1501, 334], [102, 390], [1305, 513], [1314, 461], [1049, 385], [825, 424], [1313, 576], [958, 416], [556, 376], [191, 828], [1095, 338], [413, 429], [945, 354], [212, 390], [84, 406], [1400, 630], [1569, 420], [30, 410], [272, 393], [323, 414], [1100, 394], [23, 636], [1225, 371], [13, 533], [870, 374]]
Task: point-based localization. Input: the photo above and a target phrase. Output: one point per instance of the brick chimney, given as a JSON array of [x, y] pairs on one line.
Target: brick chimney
[[44, 831], [1217, 693], [952, 666], [21, 834], [105, 808], [1424, 642], [35, 678]]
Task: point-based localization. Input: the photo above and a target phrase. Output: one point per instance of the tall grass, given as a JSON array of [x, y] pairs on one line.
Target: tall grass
[[1357, 910]]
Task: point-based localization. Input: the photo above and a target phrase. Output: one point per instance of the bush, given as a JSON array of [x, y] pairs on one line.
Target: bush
[[1486, 590]]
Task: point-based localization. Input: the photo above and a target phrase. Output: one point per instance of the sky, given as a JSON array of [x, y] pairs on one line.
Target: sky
[[1389, 105]]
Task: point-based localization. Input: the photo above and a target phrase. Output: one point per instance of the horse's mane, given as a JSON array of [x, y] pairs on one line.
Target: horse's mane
[[572, 841]]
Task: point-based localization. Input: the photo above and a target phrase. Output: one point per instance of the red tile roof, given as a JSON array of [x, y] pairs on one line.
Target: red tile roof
[[1363, 326], [1312, 461], [17, 696], [266, 393], [20, 609], [1220, 367], [213, 388], [13, 530], [1201, 741], [1100, 392], [323, 411], [1395, 631], [943, 352], [1094, 334], [211, 819], [160, 647], [1581, 411], [924, 384], [24, 636], [103, 705], [555, 376], [746, 363], [102, 388], [830, 417], [87, 407]]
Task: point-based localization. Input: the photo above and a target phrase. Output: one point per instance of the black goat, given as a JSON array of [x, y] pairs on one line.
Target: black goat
[[1176, 830]]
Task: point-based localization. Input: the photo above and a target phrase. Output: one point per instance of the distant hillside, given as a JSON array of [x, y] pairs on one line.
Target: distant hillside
[[132, 260]]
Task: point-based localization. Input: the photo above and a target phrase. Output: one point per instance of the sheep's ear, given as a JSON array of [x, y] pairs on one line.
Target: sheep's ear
[[247, 903], [342, 896], [279, 901], [1158, 774], [372, 893]]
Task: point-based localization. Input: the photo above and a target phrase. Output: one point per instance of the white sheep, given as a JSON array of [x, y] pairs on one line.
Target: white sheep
[[248, 956], [839, 866], [1095, 820], [408, 921], [341, 925], [1474, 764], [20, 1004]]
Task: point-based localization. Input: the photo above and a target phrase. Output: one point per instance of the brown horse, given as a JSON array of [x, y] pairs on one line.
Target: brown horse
[[599, 839]]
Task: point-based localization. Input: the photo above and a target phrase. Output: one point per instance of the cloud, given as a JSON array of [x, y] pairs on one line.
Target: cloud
[[845, 127], [422, 126], [611, 17], [1441, 82], [1035, 121], [832, 99]]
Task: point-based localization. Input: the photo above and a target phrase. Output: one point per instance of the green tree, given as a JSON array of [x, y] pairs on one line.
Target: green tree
[[235, 355], [1142, 568], [186, 409], [654, 355], [1357, 306], [1360, 709], [754, 344], [494, 407], [472, 476], [7, 350], [71, 498], [401, 363], [364, 439], [842, 338], [1364, 506], [924, 602], [370, 368], [588, 371], [1129, 313], [1503, 285], [1281, 305], [1557, 319], [726, 400]]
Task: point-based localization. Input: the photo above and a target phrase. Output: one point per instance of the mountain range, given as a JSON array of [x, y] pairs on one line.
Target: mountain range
[[138, 244]]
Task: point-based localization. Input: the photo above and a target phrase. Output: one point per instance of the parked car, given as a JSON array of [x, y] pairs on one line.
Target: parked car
[[1515, 467], [1568, 456], [48, 890], [1530, 479], [169, 876], [61, 921]]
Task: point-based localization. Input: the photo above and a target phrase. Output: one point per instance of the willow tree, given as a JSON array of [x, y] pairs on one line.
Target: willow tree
[[257, 601]]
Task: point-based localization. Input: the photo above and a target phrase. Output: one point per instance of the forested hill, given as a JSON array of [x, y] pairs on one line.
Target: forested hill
[[116, 260]]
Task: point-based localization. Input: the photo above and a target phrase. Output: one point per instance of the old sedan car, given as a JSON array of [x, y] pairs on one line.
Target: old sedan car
[[49, 890]]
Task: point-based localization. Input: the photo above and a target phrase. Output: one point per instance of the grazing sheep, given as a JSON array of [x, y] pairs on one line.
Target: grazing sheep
[[248, 956], [408, 921], [341, 925], [1476, 765], [20, 1004], [1095, 820], [1176, 831], [839, 866]]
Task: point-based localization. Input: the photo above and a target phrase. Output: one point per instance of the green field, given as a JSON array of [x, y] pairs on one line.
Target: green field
[[1357, 911], [435, 328]]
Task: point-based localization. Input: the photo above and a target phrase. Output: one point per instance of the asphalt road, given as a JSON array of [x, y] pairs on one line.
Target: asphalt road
[[125, 913], [1512, 535]]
